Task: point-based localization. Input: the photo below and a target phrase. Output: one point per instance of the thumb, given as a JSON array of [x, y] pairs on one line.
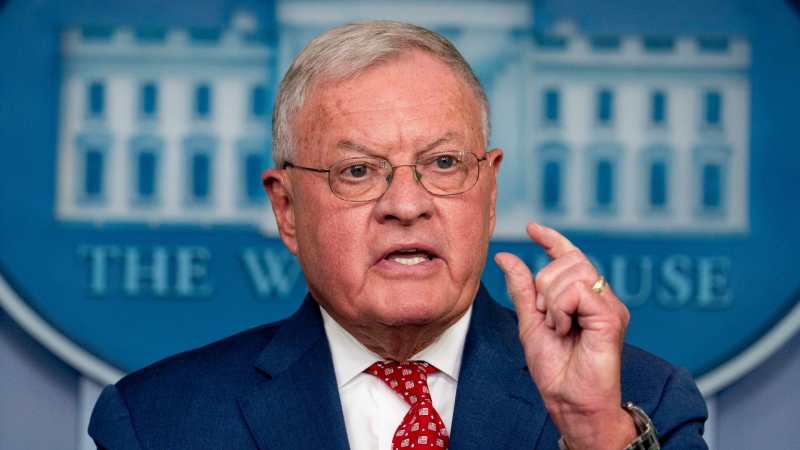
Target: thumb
[[521, 287]]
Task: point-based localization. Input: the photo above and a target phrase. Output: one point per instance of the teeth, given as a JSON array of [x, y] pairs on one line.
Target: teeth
[[411, 261]]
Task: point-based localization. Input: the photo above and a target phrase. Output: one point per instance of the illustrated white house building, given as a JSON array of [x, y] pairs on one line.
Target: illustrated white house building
[[609, 133], [642, 134], [165, 126]]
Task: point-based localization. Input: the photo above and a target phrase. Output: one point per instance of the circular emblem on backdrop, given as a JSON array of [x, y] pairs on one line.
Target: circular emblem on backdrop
[[135, 226]]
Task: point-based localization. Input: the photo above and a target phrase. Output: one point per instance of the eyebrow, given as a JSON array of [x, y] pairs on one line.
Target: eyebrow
[[350, 145]]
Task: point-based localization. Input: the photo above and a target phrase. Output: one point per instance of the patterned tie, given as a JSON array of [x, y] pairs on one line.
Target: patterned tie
[[422, 426]]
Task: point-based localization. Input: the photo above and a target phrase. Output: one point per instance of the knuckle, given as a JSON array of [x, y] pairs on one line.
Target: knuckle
[[587, 268], [626, 315], [622, 324], [583, 270], [542, 279], [621, 316], [570, 296]]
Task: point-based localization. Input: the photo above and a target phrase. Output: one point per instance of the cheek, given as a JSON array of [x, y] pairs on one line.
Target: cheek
[[467, 226], [329, 240], [475, 212]]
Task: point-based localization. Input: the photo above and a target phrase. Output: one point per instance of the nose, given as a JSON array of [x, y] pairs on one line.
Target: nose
[[405, 201], [417, 175]]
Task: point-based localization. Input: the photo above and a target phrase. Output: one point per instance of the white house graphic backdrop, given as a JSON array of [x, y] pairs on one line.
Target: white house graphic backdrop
[[635, 135]]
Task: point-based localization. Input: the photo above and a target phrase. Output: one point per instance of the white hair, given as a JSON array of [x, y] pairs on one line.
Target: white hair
[[344, 52]]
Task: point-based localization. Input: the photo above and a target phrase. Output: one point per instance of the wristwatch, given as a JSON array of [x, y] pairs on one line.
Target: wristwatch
[[648, 436]]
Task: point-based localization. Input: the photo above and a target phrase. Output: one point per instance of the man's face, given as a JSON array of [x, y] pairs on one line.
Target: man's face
[[408, 258]]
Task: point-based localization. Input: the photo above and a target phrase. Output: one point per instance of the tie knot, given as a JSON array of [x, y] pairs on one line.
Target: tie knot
[[416, 366], [409, 378]]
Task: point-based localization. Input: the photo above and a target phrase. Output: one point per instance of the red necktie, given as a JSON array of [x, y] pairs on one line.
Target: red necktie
[[422, 426]]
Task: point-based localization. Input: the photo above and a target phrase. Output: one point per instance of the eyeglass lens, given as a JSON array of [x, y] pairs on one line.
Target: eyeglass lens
[[367, 178]]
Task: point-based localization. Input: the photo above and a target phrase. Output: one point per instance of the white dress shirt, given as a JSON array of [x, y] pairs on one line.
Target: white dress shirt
[[372, 410]]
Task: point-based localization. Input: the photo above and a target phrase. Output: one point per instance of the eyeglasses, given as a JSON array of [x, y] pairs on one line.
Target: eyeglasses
[[363, 178]]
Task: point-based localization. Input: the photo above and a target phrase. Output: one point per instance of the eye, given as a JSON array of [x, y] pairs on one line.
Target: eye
[[356, 171], [442, 161], [445, 161]]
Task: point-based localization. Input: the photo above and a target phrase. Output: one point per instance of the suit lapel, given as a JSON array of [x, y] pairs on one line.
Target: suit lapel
[[297, 406], [497, 404]]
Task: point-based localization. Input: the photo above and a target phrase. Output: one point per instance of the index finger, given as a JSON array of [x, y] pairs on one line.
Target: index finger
[[553, 242]]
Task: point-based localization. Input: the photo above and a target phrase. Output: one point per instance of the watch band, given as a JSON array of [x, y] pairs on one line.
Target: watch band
[[648, 436]]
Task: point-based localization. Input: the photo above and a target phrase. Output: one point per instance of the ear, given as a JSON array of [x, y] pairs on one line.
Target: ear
[[494, 160], [278, 186]]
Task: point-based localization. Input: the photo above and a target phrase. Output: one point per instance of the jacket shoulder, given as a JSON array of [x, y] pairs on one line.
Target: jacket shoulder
[[188, 400], [235, 354]]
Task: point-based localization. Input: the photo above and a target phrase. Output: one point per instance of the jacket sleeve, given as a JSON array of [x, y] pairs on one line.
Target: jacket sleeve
[[111, 426], [680, 413]]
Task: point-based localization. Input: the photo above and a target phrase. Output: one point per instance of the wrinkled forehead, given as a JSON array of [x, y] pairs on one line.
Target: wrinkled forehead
[[329, 94], [409, 103]]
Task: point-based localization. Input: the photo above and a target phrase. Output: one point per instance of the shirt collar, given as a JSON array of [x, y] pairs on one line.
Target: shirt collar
[[351, 358]]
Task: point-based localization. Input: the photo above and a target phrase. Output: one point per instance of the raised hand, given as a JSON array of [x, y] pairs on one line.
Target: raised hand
[[573, 339]]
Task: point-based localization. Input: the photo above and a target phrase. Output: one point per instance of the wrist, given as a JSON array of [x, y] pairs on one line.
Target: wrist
[[600, 430], [644, 437]]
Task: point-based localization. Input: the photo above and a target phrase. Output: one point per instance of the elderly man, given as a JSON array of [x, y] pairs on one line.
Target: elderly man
[[385, 191]]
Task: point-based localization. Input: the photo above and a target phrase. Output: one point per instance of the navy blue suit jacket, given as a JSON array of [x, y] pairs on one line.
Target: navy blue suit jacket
[[273, 387]]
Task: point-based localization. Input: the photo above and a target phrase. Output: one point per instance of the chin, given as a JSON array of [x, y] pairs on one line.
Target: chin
[[406, 312]]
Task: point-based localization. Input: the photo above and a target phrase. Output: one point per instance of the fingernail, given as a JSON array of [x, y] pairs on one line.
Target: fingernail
[[540, 302], [548, 320]]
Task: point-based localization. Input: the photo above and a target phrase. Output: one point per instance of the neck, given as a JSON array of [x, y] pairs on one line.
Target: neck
[[398, 343]]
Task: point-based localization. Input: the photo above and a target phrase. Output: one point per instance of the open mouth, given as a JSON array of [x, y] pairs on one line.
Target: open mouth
[[409, 257]]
